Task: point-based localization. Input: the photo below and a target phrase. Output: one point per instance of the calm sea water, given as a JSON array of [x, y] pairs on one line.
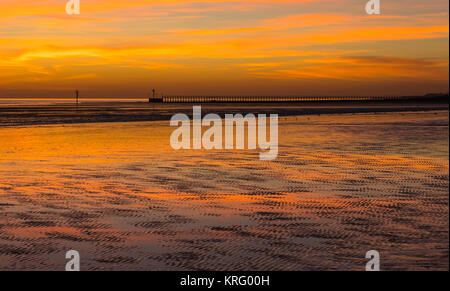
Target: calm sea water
[[117, 193], [41, 101]]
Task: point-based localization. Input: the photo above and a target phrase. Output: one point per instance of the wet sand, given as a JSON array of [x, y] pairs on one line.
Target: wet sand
[[95, 112], [116, 192]]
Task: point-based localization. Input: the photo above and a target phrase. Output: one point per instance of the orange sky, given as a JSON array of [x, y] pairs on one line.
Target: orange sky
[[121, 48]]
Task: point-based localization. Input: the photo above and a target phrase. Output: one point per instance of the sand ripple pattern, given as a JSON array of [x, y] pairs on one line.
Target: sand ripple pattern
[[118, 194]]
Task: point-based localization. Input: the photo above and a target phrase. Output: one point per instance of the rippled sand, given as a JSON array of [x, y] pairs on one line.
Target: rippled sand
[[117, 193]]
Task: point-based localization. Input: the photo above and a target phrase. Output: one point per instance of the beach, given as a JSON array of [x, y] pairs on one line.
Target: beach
[[343, 184], [48, 112], [224, 143]]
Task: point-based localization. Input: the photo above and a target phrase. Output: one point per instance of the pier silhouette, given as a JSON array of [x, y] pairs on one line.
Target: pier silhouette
[[287, 99]]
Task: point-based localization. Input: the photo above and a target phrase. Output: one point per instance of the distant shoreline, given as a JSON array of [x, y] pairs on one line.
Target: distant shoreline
[[234, 99], [104, 112]]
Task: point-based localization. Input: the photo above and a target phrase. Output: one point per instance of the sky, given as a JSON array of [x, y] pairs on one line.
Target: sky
[[125, 48]]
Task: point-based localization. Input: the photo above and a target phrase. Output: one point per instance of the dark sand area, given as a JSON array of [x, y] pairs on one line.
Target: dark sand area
[[96, 112]]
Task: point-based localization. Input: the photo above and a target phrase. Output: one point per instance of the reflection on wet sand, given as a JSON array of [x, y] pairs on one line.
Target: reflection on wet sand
[[119, 194]]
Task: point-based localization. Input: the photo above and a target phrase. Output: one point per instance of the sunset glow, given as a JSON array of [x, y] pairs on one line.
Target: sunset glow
[[123, 49]]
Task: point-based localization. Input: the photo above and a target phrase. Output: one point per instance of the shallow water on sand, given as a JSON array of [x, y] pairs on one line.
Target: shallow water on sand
[[341, 186]]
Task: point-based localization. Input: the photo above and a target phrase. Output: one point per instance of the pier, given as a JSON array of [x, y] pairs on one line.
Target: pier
[[282, 99]]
